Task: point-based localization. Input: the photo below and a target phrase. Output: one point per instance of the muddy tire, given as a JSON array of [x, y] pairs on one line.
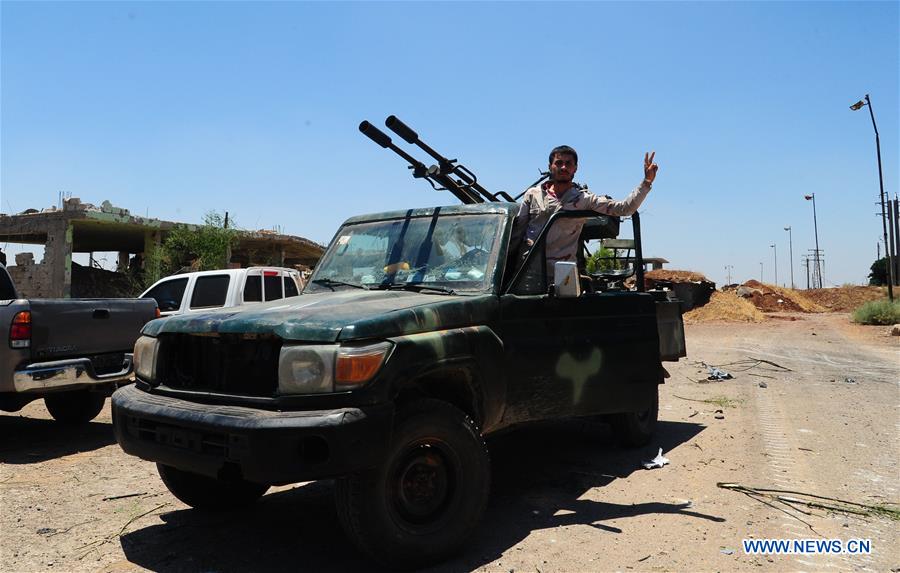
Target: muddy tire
[[203, 492], [74, 407], [419, 506], [635, 429]]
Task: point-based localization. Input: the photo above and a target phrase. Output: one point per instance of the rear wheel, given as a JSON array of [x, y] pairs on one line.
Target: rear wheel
[[635, 429], [74, 407], [427, 496], [204, 492]]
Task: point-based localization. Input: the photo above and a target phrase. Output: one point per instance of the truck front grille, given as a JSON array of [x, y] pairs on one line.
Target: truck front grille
[[225, 364]]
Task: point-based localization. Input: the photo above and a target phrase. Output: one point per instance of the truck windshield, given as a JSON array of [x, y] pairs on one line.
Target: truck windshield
[[447, 252]]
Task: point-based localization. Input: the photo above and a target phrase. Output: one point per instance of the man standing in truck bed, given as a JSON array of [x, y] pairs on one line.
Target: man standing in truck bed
[[561, 193]]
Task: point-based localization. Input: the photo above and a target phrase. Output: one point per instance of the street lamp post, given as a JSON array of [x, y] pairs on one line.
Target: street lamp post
[[817, 270], [791, 246], [775, 250], [890, 274], [760, 272]]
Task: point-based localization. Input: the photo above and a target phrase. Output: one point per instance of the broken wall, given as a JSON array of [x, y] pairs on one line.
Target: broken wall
[[32, 280]]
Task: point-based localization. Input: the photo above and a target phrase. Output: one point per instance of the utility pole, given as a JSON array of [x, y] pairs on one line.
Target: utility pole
[[817, 267], [775, 249], [805, 260], [791, 245], [760, 272], [896, 239]]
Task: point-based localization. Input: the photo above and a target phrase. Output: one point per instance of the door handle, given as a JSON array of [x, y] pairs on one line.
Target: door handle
[[102, 313]]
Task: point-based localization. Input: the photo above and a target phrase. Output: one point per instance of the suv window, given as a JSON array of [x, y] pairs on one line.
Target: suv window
[[168, 294], [273, 287], [290, 287], [253, 289], [210, 291]]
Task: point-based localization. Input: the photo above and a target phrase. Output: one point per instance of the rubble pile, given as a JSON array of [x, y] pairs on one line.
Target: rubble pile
[[772, 298], [88, 282]]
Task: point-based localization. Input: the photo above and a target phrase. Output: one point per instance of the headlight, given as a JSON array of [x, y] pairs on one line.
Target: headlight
[[306, 369], [145, 350], [316, 369]]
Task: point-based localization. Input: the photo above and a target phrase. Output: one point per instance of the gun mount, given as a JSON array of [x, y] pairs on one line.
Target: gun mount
[[445, 175]]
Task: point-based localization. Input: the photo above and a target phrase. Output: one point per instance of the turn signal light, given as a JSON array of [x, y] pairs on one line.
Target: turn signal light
[[20, 330], [358, 365]]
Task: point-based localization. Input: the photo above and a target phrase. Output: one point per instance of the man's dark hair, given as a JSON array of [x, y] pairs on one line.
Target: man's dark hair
[[563, 150]]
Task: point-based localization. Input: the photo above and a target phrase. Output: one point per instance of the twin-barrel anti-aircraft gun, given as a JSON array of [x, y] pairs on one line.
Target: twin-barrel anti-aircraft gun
[[441, 175], [450, 175]]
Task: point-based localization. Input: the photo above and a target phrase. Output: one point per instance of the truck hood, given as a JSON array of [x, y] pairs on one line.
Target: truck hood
[[341, 315]]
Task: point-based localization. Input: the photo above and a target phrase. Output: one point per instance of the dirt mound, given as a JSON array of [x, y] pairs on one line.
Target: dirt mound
[[772, 298], [725, 306], [845, 299], [89, 282]]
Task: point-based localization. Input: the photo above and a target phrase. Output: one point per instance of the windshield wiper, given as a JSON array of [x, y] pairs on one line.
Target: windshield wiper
[[417, 287], [331, 283]]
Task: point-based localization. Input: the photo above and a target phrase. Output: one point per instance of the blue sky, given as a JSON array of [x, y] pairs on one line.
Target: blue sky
[[173, 109]]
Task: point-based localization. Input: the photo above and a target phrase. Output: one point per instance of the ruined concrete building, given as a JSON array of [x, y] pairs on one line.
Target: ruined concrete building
[[84, 228]]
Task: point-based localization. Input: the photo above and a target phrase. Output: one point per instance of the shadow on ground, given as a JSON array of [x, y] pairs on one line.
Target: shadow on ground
[[537, 471], [31, 440]]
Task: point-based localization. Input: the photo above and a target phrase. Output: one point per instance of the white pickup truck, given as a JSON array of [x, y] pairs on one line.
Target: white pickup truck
[[205, 290]]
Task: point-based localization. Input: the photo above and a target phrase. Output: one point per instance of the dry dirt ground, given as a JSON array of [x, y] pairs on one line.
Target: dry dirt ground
[[564, 497]]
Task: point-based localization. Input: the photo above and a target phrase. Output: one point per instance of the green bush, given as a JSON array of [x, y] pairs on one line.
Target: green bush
[[604, 260], [203, 247], [878, 312]]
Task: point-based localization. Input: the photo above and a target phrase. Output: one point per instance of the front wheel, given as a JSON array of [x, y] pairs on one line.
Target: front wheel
[[74, 407], [634, 429], [426, 498], [203, 492]]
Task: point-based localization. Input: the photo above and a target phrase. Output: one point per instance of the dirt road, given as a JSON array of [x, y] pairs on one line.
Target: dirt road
[[814, 407]]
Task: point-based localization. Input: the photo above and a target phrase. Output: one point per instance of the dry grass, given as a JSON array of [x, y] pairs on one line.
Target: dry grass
[[725, 306], [846, 299]]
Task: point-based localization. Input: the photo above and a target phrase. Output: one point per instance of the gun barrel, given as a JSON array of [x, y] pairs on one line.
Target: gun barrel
[[394, 124], [375, 134], [382, 139], [445, 166]]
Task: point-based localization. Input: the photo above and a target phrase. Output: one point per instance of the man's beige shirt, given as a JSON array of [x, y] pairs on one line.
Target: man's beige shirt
[[562, 241]]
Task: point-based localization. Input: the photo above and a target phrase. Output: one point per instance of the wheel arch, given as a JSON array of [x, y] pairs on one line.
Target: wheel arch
[[457, 384]]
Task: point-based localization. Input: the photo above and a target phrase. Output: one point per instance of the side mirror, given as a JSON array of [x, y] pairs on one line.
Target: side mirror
[[566, 283]]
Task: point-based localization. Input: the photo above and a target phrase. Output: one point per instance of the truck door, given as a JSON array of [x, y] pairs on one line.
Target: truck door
[[596, 353]]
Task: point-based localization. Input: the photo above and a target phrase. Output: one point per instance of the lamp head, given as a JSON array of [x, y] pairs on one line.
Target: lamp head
[[858, 105]]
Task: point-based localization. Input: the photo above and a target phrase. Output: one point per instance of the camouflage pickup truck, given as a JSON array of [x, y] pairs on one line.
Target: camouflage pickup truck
[[419, 333]]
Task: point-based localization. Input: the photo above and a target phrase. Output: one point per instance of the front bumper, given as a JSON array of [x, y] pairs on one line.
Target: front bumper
[[263, 446], [67, 375]]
